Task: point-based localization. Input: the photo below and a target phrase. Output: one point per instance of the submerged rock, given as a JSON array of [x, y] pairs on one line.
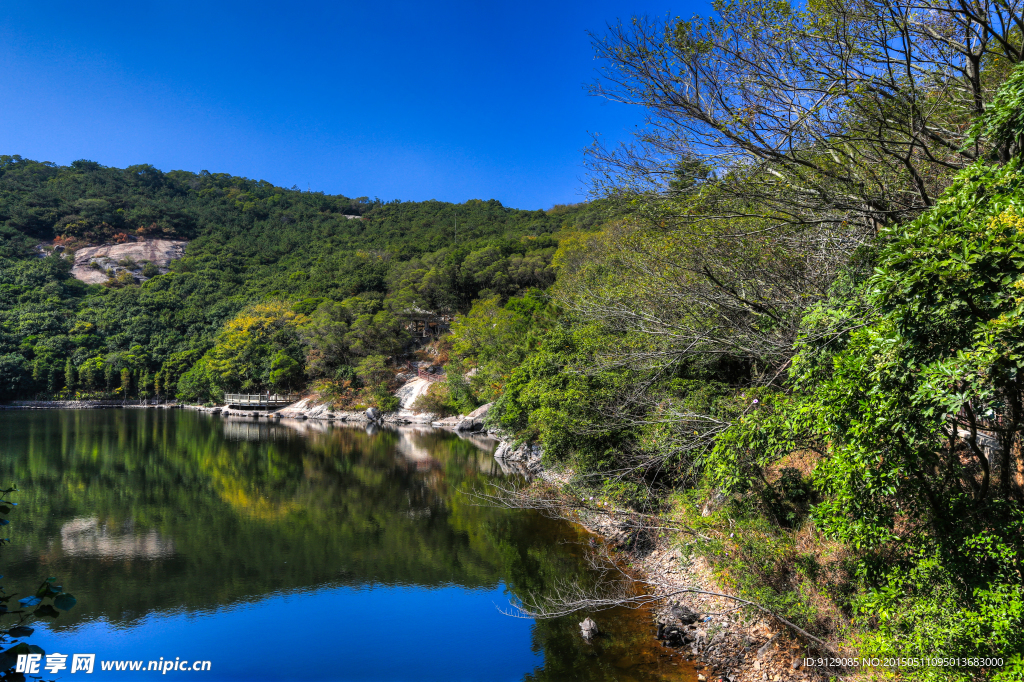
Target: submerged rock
[[589, 629]]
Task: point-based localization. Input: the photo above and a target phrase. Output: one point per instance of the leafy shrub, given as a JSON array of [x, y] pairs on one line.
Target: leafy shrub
[[436, 401], [386, 402]]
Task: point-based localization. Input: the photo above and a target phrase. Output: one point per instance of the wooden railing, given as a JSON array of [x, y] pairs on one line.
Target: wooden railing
[[429, 376], [260, 399]]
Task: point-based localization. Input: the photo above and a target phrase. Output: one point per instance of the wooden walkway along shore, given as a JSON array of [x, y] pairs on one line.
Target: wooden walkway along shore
[[259, 399]]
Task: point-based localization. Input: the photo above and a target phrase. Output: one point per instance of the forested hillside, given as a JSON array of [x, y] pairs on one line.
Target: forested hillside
[[255, 252]]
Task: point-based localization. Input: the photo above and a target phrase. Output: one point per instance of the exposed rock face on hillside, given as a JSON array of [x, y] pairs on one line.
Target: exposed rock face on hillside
[[410, 391], [130, 257]]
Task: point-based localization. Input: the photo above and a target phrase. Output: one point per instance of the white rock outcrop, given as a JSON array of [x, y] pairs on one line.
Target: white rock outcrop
[[410, 391], [110, 256]]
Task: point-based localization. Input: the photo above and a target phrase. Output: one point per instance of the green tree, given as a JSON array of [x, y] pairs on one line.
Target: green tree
[[199, 384], [381, 333], [53, 384], [126, 382], [145, 383], [243, 351], [285, 372], [14, 376], [325, 339], [545, 400], [109, 372], [70, 380], [915, 408], [377, 377], [90, 373], [498, 338], [176, 365]]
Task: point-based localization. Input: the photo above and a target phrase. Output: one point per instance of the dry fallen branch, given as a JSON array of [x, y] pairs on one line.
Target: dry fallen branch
[[616, 585], [629, 591], [571, 509]]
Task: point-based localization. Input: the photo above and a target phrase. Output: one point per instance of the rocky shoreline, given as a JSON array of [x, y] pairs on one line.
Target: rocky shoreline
[[307, 408], [707, 628], [703, 627]]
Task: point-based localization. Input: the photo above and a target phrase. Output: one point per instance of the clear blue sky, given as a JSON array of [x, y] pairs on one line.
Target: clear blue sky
[[400, 100]]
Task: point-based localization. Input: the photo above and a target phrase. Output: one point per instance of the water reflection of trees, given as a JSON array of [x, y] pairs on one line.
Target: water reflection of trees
[[145, 511], [246, 516]]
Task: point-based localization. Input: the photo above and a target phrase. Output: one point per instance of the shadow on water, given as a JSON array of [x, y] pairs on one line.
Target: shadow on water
[[153, 515]]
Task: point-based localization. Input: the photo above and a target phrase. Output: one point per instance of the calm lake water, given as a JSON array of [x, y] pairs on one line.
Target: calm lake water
[[292, 551]]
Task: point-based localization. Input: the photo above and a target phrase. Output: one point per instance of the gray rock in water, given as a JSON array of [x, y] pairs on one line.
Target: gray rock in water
[[373, 414], [525, 459], [589, 628], [469, 425]]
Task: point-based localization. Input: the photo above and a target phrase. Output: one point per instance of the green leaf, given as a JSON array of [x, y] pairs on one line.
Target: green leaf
[[24, 648], [64, 601], [47, 590]]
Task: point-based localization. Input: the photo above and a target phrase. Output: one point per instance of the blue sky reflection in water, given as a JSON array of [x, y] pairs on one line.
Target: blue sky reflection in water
[[293, 551], [379, 633]]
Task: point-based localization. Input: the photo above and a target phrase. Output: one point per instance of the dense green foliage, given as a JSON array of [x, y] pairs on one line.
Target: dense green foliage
[[919, 412]]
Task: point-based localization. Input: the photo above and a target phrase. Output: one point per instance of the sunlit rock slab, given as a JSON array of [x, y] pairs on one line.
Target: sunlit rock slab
[[160, 251]]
